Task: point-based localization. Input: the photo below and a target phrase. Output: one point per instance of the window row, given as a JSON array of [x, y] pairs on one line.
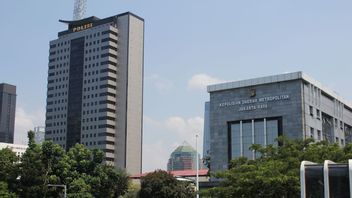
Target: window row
[[91, 58], [92, 43], [57, 102], [58, 80], [89, 119], [91, 73], [90, 88], [84, 128], [87, 96], [55, 124], [89, 112], [58, 131], [89, 143], [90, 80], [90, 36], [59, 58], [56, 116], [89, 135], [92, 50], [87, 104], [59, 44]]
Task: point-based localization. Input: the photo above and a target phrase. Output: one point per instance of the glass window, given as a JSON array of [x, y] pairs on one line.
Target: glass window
[[247, 139], [235, 141], [311, 132], [259, 134], [311, 110], [318, 114], [272, 130]]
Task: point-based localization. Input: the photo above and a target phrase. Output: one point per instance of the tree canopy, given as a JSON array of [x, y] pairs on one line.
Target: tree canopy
[[161, 184], [80, 169], [276, 172]]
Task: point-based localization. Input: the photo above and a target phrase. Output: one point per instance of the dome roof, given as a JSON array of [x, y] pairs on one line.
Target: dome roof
[[185, 148]]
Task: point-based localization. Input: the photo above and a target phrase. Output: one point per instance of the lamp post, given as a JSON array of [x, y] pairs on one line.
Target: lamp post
[[197, 170], [59, 185]]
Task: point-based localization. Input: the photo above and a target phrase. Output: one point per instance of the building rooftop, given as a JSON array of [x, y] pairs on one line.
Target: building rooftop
[[185, 147], [274, 79]]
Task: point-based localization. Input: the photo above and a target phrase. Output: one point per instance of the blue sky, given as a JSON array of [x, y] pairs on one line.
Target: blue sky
[[188, 44]]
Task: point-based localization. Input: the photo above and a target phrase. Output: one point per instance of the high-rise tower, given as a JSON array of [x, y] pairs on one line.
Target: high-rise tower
[[7, 112], [95, 88]]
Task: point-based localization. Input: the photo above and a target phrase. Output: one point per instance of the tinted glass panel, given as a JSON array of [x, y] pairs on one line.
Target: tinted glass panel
[[235, 141], [272, 129], [247, 139], [314, 182], [339, 181], [259, 133], [74, 111]]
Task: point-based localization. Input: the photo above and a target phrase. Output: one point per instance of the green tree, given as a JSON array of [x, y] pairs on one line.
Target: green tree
[[32, 171], [161, 184], [4, 191], [82, 163], [80, 169], [276, 172], [9, 170], [79, 189]]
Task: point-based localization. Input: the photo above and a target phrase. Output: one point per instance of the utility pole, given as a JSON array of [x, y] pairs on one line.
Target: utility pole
[[197, 170]]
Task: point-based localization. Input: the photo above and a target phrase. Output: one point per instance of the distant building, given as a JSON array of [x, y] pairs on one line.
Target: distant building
[[19, 149], [183, 157], [7, 112], [39, 134], [257, 111]]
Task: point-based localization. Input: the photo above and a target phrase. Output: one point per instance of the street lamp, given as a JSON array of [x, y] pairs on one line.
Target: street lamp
[[197, 170], [59, 185]]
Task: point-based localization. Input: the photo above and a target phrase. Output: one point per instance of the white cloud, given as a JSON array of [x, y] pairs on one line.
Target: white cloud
[[201, 81], [26, 121], [162, 137], [161, 84]]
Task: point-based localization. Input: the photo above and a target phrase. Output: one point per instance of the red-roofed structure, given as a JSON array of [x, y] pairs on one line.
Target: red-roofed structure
[[179, 173]]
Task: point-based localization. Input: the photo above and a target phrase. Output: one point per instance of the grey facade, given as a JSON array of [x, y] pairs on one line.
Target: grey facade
[[206, 130], [7, 112], [95, 88], [256, 111]]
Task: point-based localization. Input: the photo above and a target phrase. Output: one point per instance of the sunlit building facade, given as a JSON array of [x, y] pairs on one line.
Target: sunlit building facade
[[257, 111], [95, 88]]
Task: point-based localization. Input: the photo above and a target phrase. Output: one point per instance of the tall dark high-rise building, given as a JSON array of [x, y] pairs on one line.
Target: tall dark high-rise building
[[7, 112], [95, 88]]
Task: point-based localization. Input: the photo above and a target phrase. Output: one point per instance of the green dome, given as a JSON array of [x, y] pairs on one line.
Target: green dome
[[185, 147]]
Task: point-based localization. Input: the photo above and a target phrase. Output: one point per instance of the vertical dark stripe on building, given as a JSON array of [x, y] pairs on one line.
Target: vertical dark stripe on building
[[74, 110]]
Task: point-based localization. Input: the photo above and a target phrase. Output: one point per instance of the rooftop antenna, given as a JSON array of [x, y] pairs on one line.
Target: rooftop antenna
[[80, 9]]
